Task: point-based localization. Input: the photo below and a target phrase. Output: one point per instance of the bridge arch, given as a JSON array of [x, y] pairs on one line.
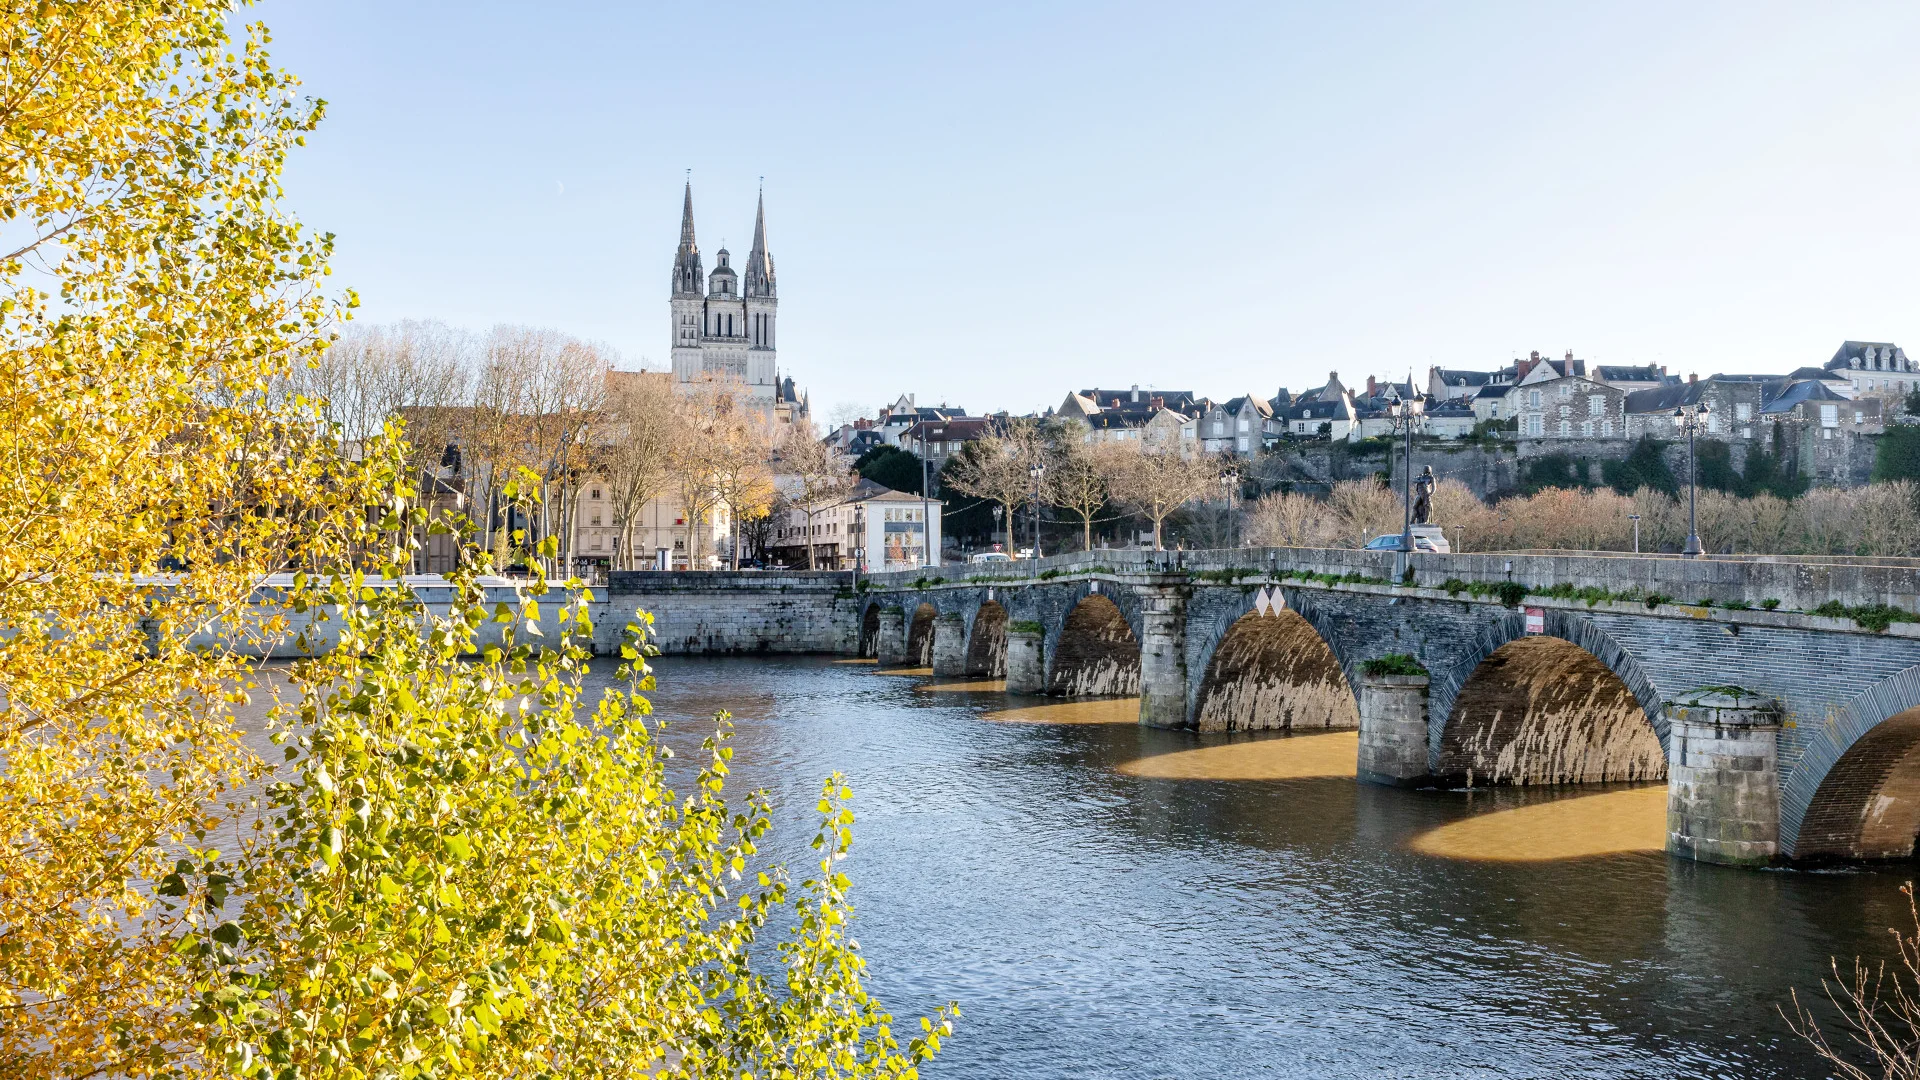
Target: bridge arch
[[870, 630], [1095, 651], [1564, 706], [1855, 790], [1277, 670], [920, 635], [987, 640]]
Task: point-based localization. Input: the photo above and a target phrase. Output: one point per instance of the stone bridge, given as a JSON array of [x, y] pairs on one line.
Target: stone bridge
[[1782, 734]]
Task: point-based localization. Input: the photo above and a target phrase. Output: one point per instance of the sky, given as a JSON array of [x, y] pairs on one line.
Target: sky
[[990, 205]]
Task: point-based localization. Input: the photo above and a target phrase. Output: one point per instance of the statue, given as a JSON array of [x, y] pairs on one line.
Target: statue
[[1423, 497]]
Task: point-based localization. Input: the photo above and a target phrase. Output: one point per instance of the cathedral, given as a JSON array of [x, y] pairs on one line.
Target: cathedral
[[723, 323]]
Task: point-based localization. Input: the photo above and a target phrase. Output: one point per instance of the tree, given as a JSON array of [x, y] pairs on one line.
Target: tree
[[1155, 480], [824, 474], [635, 454], [892, 467], [1077, 477], [1896, 454], [492, 883], [999, 468], [153, 295]]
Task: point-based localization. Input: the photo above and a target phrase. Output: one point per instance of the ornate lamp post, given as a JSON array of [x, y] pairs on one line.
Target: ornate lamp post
[[1403, 415], [1691, 418], [1036, 470], [997, 512], [1226, 499]]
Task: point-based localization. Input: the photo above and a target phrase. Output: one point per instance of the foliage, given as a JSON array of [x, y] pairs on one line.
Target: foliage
[[1770, 603], [1025, 626], [1510, 593], [892, 467], [1558, 470], [1394, 664], [151, 288], [636, 458], [1645, 467], [1155, 480], [462, 872], [1896, 454], [1874, 617]]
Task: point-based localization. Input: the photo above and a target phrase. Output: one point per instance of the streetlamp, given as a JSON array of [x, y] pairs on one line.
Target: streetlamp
[[1635, 518], [1691, 418], [926, 506], [1226, 499], [997, 513], [1403, 415], [1036, 470]]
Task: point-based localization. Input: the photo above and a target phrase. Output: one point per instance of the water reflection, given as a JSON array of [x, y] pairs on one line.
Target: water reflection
[[968, 686], [1113, 710], [1296, 757], [917, 672], [1575, 827]]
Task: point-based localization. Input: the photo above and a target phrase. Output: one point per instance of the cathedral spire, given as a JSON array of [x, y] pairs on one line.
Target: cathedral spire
[[759, 280], [688, 280]]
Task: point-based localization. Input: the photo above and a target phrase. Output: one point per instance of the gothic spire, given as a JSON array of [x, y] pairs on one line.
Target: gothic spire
[[759, 280], [688, 279]]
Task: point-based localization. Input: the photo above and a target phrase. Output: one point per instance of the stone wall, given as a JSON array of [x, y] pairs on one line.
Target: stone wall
[[743, 612]]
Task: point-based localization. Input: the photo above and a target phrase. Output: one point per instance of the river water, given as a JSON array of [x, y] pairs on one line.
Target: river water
[[1108, 900]]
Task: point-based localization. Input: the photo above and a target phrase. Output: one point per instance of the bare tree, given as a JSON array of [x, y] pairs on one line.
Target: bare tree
[[1879, 1009], [635, 449], [1156, 480], [824, 475], [1077, 476], [998, 468]]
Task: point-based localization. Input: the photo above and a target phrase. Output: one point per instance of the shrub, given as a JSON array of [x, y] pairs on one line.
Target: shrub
[[1394, 664], [1453, 586], [1770, 603], [1510, 593], [1025, 626], [1654, 600], [1736, 605]]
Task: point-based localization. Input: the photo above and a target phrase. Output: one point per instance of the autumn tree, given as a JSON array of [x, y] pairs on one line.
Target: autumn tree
[[153, 294], [823, 475]]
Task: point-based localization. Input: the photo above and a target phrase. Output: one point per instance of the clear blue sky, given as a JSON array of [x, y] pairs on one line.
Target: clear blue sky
[[990, 204]]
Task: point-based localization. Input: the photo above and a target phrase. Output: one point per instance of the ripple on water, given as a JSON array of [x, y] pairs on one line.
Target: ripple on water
[[861, 660], [1584, 826], [1287, 757], [1116, 710], [921, 672]]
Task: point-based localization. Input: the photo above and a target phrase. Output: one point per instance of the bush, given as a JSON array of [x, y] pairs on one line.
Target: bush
[[1394, 664], [1770, 603], [1510, 593], [1654, 600], [1645, 467], [1025, 626]]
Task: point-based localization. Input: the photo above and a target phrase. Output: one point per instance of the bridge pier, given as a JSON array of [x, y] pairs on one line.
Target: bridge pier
[[949, 645], [890, 641], [1163, 657], [1026, 660], [1723, 778], [1393, 730]]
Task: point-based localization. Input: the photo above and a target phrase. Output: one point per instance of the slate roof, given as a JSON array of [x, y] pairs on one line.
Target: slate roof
[[1666, 398], [1854, 350], [1462, 377], [1632, 373], [1802, 391]]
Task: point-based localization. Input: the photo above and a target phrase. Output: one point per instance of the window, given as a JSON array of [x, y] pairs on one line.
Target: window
[[1566, 428], [1606, 429], [1596, 404], [1243, 427], [1533, 398], [1859, 417], [596, 520], [1243, 443], [1829, 416], [1742, 411]]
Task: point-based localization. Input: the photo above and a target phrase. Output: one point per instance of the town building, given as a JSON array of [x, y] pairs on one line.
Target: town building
[[873, 529], [1875, 366]]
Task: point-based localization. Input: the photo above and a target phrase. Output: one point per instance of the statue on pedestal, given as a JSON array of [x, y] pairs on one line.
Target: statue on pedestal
[[1423, 497]]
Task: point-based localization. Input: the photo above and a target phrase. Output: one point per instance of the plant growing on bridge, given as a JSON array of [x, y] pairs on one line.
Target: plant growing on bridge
[[1394, 664], [1874, 617], [1025, 626]]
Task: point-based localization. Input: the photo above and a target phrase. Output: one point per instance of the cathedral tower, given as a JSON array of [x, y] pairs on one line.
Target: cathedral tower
[[688, 298], [723, 322]]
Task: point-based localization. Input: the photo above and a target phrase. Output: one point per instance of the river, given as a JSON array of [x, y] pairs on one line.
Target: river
[[1108, 900]]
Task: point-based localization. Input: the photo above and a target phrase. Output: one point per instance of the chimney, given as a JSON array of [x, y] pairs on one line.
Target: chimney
[[1136, 393], [1536, 356], [1157, 402], [1663, 371], [1693, 377], [1371, 388]]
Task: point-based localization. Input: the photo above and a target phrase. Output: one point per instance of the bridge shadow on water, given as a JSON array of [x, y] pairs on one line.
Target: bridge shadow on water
[[1111, 900]]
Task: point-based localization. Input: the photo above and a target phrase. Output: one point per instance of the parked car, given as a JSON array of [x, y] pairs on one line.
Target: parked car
[[1391, 542], [989, 557]]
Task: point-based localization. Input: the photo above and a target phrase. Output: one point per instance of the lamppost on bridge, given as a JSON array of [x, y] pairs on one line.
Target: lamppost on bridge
[[997, 513], [926, 506], [1228, 481], [1635, 518], [1691, 418], [1036, 470], [1402, 414]]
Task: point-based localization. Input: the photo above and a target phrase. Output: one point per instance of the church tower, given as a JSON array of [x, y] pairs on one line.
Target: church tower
[[688, 299], [762, 303]]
